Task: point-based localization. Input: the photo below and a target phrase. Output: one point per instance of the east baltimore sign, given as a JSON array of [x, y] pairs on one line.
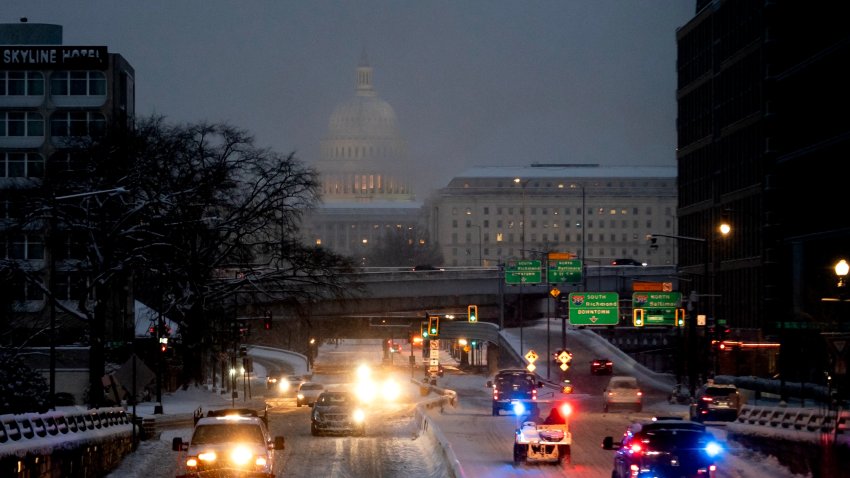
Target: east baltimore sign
[[58, 57], [594, 308]]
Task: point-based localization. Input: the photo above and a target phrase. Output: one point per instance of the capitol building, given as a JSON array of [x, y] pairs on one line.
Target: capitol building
[[368, 199]]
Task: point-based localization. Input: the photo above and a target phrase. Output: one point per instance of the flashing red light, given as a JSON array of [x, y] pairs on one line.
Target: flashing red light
[[566, 410], [635, 448]]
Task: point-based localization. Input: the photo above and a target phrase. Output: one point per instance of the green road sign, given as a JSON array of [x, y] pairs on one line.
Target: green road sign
[[594, 308], [564, 271], [523, 272], [655, 300], [659, 307]]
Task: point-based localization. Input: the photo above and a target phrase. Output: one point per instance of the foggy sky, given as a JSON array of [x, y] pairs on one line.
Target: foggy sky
[[472, 82]]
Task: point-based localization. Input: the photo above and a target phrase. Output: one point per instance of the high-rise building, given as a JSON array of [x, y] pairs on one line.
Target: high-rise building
[[50, 94], [762, 136], [598, 213]]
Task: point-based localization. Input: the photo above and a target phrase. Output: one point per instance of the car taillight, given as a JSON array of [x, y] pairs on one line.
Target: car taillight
[[635, 448], [707, 399], [534, 394], [639, 393], [495, 394]]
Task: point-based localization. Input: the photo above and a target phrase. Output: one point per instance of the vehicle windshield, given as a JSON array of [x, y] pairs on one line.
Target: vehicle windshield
[[333, 400], [672, 440], [719, 391], [519, 380], [312, 386], [623, 384], [226, 433]]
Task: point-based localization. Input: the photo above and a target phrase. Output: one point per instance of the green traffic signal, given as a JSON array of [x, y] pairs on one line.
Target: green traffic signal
[[472, 313]]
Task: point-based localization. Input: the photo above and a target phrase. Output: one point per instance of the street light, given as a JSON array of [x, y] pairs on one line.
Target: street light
[[692, 323]]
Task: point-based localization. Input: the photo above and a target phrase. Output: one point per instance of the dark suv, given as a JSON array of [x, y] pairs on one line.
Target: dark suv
[[513, 385], [665, 447], [337, 412], [716, 402]]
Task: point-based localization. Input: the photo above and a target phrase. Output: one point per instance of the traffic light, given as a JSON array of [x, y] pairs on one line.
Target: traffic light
[[423, 330], [637, 317], [472, 313], [680, 317], [267, 320], [433, 326]]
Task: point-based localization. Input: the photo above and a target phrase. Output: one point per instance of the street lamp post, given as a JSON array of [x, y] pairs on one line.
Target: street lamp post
[[522, 184], [692, 324]]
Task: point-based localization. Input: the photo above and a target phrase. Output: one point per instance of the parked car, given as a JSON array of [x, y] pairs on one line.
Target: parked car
[[622, 391], [665, 447], [601, 366], [716, 402], [308, 392], [230, 442], [337, 412], [511, 385]]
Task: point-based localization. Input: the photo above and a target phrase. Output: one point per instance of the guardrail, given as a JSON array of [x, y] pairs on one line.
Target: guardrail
[[29, 442], [800, 423], [426, 426]]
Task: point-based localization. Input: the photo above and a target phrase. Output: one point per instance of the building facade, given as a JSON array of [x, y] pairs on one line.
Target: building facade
[[50, 94], [366, 185], [762, 133], [599, 214]]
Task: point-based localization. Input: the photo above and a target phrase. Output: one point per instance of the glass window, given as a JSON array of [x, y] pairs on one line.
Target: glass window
[[78, 83], [77, 123]]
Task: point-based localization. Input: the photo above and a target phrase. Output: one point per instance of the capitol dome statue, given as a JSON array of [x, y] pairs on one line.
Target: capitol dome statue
[[362, 157]]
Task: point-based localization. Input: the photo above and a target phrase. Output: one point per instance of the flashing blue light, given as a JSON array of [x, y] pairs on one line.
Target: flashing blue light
[[713, 448], [519, 408]]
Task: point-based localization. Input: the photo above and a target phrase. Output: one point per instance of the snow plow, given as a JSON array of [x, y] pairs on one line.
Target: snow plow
[[547, 442]]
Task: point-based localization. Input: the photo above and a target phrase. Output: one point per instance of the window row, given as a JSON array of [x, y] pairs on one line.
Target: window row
[[68, 286], [24, 164], [62, 123], [567, 224], [545, 238], [62, 83], [555, 211]]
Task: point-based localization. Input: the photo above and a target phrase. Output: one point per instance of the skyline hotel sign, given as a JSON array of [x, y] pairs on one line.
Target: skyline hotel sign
[[53, 57]]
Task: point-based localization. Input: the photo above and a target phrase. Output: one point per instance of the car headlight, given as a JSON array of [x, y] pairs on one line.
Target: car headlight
[[390, 390], [365, 391], [300, 396], [241, 455], [284, 385], [358, 416], [713, 448]]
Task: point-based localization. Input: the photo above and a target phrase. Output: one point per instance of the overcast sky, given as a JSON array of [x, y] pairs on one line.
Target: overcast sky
[[472, 82]]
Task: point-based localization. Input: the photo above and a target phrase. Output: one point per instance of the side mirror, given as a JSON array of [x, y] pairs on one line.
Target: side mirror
[[279, 443], [608, 443], [177, 444], [489, 384]]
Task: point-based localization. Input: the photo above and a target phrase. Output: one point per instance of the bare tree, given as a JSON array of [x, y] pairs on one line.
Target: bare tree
[[172, 207]]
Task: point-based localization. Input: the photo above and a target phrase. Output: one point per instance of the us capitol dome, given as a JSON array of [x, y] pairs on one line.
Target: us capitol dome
[[360, 158]]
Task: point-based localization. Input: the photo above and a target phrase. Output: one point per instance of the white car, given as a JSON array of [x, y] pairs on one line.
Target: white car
[[622, 390], [308, 392], [230, 442]]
